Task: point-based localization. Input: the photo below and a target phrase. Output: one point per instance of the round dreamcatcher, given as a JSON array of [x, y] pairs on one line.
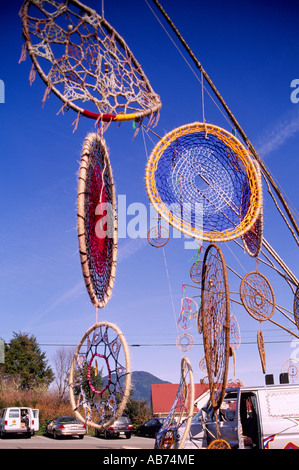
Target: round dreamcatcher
[[257, 296], [196, 272], [159, 235], [185, 342], [296, 307], [261, 348], [82, 59], [253, 238], [203, 182], [181, 412], [97, 220], [98, 399], [219, 444], [216, 321]]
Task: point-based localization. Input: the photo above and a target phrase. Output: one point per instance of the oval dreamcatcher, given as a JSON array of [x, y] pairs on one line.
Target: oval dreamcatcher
[[261, 348], [181, 412], [82, 59], [203, 182], [253, 238], [97, 220], [93, 398], [216, 321], [235, 335], [257, 296], [188, 313]]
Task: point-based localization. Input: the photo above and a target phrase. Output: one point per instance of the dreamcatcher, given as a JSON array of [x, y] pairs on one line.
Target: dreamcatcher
[[185, 342], [234, 339], [215, 321], [97, 220], [99, 401], [291, 367], [196, 268], [159, 235], [81, 58], [188, 313], [253, 238], [261, 348], [203, 182], [168, 436], [257, 296]]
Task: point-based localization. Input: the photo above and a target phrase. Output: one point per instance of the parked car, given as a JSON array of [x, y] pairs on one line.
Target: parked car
[[150, 428], [121, 425], [66, 426], [19, 420]]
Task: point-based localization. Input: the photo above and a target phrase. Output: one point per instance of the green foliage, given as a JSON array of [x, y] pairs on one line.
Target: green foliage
[[25, 361]]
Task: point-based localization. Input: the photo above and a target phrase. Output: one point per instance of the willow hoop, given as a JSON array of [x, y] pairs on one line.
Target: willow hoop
[[81, 58], [203, 182], [296, 307], [97, 220], [215, 321], [257, 296], [113, 343]]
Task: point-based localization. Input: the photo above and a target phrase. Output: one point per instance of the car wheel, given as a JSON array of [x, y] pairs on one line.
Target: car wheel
[[106, 435], [81, 436], [128, 435], [55, 435]]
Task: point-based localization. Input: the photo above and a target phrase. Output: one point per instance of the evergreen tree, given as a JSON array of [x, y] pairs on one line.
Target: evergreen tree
[[24, 359]]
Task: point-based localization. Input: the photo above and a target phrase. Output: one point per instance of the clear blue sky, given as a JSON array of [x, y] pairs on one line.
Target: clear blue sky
[[250, 50]]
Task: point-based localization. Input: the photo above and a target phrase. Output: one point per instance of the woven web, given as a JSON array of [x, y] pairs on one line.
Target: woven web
[[81, 58], [100, 375], [158, 236], [202, 181], [185, 342], [196, 272], [98, 214], [215, 321], [257, 296]]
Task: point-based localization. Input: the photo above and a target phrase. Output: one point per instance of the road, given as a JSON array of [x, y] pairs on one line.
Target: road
[[89, 442]]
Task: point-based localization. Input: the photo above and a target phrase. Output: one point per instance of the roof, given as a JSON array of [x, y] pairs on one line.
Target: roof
[[163, 396]]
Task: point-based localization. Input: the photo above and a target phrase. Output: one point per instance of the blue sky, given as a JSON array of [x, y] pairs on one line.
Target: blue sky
[[250, 51]]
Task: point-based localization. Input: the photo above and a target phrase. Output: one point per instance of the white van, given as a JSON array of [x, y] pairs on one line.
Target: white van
[[263, 417], [19, 420]]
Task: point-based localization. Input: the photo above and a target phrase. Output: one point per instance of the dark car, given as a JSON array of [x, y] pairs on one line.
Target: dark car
[[150, 428], [121, 425]]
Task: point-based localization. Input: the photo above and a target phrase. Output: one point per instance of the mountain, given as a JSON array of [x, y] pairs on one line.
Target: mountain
[[141, 385]]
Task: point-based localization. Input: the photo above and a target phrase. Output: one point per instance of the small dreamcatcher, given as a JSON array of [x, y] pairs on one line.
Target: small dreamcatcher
[[82, 59], [203, 182], [216, 321], [257, 296], [185, 342], [196, 268], [291, 367], [235, 335], [97, 220], [99, 399], [188, 313], [159, 235], [180, 412]]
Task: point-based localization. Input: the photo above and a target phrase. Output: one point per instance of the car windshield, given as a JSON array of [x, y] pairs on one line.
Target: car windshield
[[68, 420], [197, 418]]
